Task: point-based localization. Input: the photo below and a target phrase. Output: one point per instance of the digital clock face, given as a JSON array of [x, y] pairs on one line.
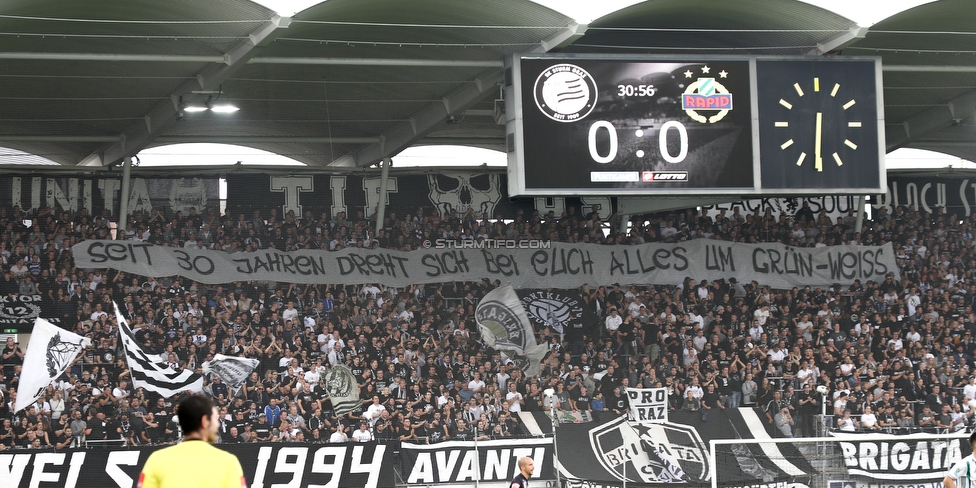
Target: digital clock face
[[597, 126]]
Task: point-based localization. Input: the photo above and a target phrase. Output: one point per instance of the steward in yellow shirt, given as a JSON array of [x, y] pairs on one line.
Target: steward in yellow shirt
[[194, 462]]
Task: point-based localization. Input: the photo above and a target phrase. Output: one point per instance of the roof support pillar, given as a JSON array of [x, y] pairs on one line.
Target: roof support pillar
[[859, 221], [124, 197], [381, 205]]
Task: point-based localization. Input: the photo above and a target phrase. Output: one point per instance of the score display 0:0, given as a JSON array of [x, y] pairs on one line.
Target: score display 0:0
[[662, 141]]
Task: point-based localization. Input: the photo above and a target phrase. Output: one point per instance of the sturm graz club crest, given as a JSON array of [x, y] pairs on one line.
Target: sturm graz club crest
[[651, 453], [565, 92]]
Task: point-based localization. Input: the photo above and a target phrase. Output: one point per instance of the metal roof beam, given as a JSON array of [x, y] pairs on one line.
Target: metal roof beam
[[244, 140], [945, 144], [464, 63], [461, 141], [932, 119], [843, 40], [403, 134], [562, 39], [64, 138], [907, 68], [140, 135], [114, 57]]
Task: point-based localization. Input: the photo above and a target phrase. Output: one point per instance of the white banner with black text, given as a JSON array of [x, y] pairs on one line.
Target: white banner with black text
[[912, 459], [534, 265], [648, 404]]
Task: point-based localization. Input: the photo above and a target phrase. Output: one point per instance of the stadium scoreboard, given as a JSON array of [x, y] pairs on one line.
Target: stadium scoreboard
[[624, 125]]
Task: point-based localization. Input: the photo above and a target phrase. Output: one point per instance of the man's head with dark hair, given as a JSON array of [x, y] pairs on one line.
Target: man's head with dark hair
[[972, 440], [192, 410]]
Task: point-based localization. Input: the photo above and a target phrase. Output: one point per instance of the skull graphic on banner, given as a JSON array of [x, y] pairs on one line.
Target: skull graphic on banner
[[459, 192]]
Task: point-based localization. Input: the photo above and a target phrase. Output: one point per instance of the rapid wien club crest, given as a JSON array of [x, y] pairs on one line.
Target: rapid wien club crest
[[651, 453], [706, 100]]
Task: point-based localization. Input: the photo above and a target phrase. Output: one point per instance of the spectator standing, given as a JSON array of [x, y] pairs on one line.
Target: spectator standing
[[784, 422]]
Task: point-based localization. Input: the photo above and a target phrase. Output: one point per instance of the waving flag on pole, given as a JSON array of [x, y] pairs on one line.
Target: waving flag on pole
[[232, 370], [505, 326], [50, 351], [343, 389], [148, 371]]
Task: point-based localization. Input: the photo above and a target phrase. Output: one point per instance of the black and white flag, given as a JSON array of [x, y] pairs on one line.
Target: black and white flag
[[505, 327], [50, 351], [343, 389], [232, 370], [146, 370], [560, 310]]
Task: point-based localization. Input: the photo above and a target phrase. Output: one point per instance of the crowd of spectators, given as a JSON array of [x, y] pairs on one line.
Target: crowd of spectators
[[893, 354]]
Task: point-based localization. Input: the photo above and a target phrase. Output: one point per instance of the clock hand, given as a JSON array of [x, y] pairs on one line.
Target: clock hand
[[818, 142]]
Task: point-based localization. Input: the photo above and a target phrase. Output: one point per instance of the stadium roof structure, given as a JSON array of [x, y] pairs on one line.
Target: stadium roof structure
[[348, 82]]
